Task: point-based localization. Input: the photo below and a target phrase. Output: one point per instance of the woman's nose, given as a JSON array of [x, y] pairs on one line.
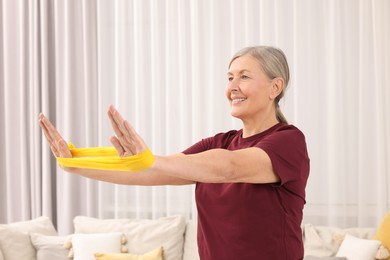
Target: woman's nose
[[233, 85]]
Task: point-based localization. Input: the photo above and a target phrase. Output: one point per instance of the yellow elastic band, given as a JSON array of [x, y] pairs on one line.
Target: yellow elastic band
[[106, 158]]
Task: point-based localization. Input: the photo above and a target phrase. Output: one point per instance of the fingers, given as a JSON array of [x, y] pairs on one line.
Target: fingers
[[138, 142], [119, 148], [114, 123], [50, 140], [127, 137], [64, 149], [51, 130], [57, 144], [45, 130], [122, 138]]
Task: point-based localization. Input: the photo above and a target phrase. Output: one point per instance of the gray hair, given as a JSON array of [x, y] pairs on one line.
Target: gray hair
[[274, 64]]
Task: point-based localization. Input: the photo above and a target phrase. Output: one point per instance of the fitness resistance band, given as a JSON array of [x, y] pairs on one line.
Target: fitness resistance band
[[106, 158]]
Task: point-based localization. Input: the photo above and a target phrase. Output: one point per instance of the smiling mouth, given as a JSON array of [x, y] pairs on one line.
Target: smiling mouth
[[238, 100]]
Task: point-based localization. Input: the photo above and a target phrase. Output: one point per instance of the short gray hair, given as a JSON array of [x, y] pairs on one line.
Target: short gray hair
[[274, 64]]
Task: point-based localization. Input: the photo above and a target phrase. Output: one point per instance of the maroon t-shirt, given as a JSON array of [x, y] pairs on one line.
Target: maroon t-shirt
[[255, 221]]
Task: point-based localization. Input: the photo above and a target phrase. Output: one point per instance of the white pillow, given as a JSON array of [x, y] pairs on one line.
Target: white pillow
[[50, 247], [86, 245], [321, 240], [355, 248], [15, 241], [143, 235]]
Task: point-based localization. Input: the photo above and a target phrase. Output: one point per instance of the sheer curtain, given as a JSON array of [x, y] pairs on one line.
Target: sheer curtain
[[163, 64]]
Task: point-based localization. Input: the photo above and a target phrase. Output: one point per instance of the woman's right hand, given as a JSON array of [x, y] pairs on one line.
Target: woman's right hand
[[57, 144], [127, 141]]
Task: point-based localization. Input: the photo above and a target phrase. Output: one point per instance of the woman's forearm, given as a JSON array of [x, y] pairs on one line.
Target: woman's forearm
[[147, 177]]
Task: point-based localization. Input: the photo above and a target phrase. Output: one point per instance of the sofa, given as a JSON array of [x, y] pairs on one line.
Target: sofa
[[169, 238], [140, 239]]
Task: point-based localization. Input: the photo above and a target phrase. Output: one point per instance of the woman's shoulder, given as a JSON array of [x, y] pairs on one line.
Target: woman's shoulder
[[221, 140], [287, 135], [228, 134], [283, 134], [288, 128]]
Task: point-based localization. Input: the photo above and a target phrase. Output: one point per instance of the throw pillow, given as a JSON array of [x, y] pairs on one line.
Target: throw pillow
[[143, 234], [49, 247], [383, 232], [358, 249], [156, 254], [383, 253], [325, 241], [85, 246], [15, 241]]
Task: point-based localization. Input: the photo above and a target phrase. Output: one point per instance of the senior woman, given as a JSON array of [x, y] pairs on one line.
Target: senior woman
[[250, 183]]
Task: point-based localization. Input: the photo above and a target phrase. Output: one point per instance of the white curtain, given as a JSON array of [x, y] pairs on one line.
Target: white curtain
[[163, 64]]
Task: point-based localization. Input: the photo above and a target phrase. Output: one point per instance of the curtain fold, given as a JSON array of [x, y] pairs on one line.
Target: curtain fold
[[163, 64]]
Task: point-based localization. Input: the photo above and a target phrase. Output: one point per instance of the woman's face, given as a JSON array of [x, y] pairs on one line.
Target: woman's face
[[249, 90]]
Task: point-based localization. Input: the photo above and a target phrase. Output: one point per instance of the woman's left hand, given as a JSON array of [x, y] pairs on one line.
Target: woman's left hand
[[127, 142]]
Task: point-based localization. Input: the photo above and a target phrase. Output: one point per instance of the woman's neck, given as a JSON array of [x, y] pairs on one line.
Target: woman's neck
[[256, 126]]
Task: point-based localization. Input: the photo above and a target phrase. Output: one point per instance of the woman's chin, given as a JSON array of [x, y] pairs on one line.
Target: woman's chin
[[235, 114]]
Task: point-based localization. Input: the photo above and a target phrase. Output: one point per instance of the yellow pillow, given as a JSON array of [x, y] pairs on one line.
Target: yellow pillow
[[156, 254], [383, 232]]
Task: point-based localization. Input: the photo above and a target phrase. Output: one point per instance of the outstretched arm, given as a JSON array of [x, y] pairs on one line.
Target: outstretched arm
[[251, 165]]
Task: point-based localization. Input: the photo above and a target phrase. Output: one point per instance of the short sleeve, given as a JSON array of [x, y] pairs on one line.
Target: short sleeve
[[198, 147], [220, 140], [288, 153]]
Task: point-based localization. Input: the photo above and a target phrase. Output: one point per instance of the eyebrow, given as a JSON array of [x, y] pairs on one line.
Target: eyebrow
[[240, 72]]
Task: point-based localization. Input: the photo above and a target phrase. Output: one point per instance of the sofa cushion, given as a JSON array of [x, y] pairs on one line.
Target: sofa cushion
[[325, 241], [357, 248], [143, 235], [49, 247], [156, 254], [15, 239], [190, 242]]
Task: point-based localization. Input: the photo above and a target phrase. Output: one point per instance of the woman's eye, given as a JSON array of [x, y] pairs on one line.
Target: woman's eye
[[230, 78], [244, 77]]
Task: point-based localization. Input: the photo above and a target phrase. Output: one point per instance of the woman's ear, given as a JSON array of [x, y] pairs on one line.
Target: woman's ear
[[277, 87]]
